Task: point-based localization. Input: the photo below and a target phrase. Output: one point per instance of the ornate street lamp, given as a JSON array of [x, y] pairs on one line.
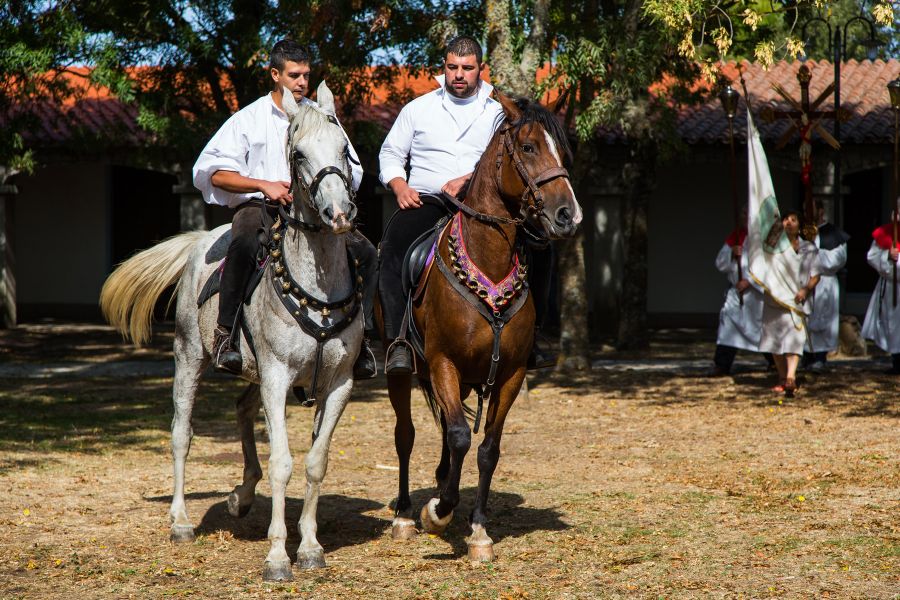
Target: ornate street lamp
[[729, 98], [894, 91], [837, 46]]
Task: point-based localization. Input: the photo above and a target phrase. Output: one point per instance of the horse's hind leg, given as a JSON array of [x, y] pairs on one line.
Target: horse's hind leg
[[310, 554], [189, 365], [481, 547], [399, 387], [241, 499]]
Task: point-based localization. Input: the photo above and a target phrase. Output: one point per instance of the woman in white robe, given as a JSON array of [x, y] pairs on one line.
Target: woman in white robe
[[792, 274], [824, 318], [882, 323]]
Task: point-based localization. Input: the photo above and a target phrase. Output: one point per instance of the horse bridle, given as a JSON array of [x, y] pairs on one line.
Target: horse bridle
[[308, 192], [535, 204]]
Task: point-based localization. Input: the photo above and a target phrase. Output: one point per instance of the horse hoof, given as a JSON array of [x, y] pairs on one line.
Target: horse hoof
[[431, 523], [235, 509], [481, 553], [182, 534], [277, 571], [403, 529], [313, 559]]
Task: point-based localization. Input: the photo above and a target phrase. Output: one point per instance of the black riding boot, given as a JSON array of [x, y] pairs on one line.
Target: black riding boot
[[402, 230]]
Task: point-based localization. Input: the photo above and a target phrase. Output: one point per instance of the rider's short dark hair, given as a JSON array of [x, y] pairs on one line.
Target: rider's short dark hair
[[463, 45], [287, 50]]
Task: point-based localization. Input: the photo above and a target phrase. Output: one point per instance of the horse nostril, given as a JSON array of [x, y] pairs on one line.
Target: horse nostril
[[329, 213], [563, 218]]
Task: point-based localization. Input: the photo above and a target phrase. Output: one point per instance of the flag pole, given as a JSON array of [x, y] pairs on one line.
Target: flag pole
[[729, 99]]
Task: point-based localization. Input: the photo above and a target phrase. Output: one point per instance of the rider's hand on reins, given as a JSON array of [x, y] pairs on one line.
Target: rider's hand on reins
[[277, 191]]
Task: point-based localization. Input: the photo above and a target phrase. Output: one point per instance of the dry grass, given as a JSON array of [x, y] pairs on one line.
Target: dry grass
[[614, 484]]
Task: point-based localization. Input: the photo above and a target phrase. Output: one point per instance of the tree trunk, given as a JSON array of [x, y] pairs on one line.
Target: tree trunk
[[638, 176]]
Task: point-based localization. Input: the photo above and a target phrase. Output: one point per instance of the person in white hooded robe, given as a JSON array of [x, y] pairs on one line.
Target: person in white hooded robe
[[882, 322], [824, 318]]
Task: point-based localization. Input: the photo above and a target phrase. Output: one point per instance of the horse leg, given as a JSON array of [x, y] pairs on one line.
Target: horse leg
[[310, 554], [438, 512], [443, 468], [189, 365], [481, 547], [399, 388], [274, 387], [241, 498]]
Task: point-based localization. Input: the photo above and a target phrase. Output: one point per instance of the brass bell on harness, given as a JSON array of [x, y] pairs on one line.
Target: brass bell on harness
[[507, 294], [517, 286], [303, 302], [279, 270], [325, 312], [276, 253], [276, 237], [482, 293], [286, 286]]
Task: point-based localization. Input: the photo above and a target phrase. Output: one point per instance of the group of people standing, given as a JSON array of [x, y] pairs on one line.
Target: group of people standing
[[756, 316]]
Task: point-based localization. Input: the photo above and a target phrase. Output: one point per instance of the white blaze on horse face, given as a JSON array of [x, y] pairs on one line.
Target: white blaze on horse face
[[552, 144]]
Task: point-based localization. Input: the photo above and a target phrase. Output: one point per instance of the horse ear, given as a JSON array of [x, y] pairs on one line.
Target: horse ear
[[324, 98], [560, 102], [288, 103], [512, 110]]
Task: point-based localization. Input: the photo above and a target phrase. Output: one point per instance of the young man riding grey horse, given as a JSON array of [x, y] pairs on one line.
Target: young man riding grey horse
[[442, 135], [243, 165]]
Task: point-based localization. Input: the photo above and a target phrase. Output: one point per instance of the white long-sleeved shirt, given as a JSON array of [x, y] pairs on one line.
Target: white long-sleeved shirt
[[252, 143], [442, 136]]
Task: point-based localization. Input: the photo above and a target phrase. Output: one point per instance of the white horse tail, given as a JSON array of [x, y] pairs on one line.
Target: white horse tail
[[131, 291]]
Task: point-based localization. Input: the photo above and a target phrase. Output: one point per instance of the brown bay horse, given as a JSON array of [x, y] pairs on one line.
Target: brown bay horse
[[520, 180]]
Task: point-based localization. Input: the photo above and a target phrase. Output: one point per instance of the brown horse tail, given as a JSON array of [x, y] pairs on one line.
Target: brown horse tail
[[131, 291], [428, 392]]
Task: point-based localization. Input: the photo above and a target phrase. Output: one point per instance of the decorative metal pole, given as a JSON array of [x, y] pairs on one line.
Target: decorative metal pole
[[729, 99], [894, 91]]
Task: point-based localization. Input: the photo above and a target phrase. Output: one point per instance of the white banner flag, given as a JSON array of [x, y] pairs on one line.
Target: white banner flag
[[773, 264]]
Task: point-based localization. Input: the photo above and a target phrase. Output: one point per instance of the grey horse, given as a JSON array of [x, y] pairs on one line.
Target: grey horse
[[313, 254]]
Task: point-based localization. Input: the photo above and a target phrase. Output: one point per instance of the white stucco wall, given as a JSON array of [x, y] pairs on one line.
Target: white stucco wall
[[65, 207]]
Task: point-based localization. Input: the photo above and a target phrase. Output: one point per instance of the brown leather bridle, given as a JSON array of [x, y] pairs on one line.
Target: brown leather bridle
[[535, 204]]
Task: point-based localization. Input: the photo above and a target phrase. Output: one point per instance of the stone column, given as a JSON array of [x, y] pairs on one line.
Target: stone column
[[193, 208], [7, 260]]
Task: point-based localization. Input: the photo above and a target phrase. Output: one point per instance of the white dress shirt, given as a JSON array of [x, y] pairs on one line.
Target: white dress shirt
[[443, 137], [252, 143]]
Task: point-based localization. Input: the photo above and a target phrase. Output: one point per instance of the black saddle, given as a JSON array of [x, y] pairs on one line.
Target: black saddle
[[416, 259]]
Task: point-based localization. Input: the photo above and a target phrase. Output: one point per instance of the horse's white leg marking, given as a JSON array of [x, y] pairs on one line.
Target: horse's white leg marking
[[241, 499], [273, 388], [310, 554], [553, 150], [187, 376]]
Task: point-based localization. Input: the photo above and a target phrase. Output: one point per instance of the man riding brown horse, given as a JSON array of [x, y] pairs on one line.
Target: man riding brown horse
[[442, 135]]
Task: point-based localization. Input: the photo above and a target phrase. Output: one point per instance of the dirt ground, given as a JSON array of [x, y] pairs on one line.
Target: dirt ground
[[618, 483]]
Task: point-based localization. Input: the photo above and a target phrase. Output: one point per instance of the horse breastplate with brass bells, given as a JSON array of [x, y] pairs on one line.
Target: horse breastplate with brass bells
[[299, 303], [496, 296]]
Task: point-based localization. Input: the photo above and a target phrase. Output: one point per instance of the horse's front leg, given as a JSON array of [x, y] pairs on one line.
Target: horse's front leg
[[311, 555], [399, 388], [241, 499], [274, 386], [438, 512], [481, 547]]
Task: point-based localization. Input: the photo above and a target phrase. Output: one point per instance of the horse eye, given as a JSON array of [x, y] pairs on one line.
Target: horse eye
[[528, 148]]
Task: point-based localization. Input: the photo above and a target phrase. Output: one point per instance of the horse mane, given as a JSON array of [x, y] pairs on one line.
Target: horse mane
[[311, 119], [534, 112]]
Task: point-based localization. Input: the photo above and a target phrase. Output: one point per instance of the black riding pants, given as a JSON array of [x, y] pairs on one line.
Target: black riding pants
[[241, 259], [244, 252], [404, 228]]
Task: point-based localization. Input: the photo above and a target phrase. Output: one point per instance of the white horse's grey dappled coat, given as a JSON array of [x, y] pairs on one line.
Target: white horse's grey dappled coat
[[286, 354]]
